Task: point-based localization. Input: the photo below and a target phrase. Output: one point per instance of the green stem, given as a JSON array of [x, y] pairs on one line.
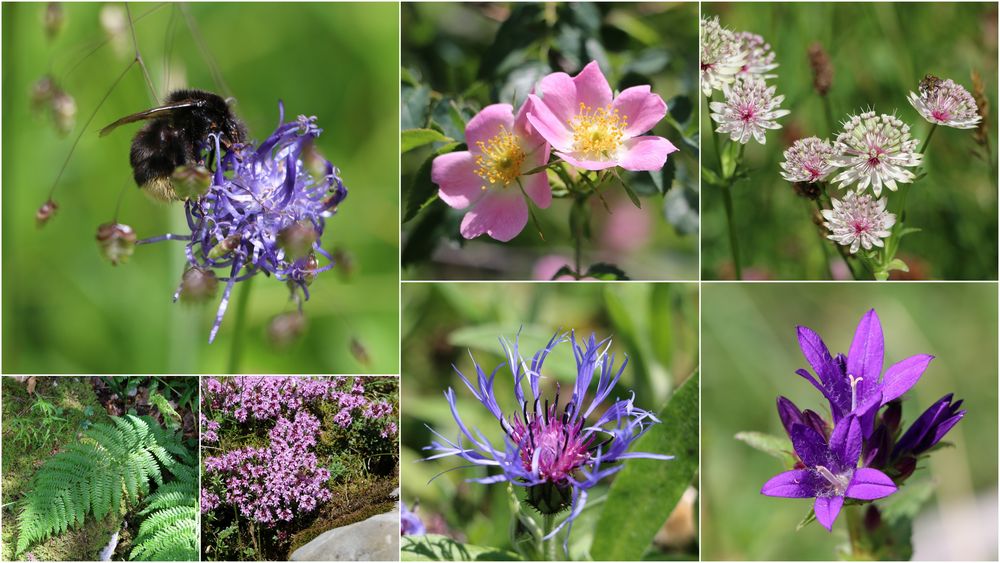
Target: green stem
[[578, 252], [824, 199], [715, 136], [235, 353], [828, 110], [927, 139], [549, 547], [823, 246], [727, 198], [854, 531]]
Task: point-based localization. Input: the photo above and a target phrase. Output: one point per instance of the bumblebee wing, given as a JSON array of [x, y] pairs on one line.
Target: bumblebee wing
[[153, 113]]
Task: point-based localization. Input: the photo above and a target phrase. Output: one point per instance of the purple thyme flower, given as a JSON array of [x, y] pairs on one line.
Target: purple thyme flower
[[830, 471], [854, 384], [409, 523], [929, 428], [264, 212], [550, 449]]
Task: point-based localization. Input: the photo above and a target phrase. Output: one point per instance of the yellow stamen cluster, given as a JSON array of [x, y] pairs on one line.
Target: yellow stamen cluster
[[500, 158], [598, 133]]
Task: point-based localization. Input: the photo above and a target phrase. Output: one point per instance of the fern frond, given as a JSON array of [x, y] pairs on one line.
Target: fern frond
[[111, 464], [169, 531]]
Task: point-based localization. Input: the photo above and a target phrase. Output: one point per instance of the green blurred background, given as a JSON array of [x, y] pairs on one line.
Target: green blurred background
[[654, 324], [67, 310], [475, 54], [879, 52], [750, 356]]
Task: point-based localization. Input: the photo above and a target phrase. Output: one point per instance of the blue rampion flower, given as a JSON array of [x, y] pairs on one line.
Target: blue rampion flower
[[264, 211], [550, 448], [409, 523]]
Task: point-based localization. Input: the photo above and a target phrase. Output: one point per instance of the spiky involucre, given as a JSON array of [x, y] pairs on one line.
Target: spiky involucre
[[169, 530], [111, 464]]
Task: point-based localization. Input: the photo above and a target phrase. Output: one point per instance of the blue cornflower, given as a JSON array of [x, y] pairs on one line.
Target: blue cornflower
[[550, 448], [263, 212], [409, 523]]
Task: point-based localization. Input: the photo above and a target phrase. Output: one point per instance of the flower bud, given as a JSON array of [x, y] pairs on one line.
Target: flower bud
[[64, 112], [873, 518], [53, 19], [821, 68], [892, 414], [42, 92], [550, 498], [981, 134], [224, 247], [904, 468], [45, 212], [286, 328], [808, 190], [117, 242], [297, 240], [198, 285], [191, 181]]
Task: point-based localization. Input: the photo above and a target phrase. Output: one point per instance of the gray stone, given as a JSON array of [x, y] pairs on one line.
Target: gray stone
[[374, 539]]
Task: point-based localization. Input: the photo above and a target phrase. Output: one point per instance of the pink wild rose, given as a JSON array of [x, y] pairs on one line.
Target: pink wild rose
[[591, 129], [489, 176]]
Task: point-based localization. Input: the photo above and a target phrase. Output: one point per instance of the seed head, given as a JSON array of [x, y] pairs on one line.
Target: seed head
[[198, 285], [116, 241]]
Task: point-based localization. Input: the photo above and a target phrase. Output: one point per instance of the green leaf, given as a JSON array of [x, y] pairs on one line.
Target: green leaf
[[661, 330], [645, 492], [649, 61], [680, 209], [680, 108], [423, 189], [809, 519], [450, 116], [522, 81], [730, 158], [441, 548], [410, 139], [775, 446], [414, 102], [907, 501], [897, 264], [629, 191]]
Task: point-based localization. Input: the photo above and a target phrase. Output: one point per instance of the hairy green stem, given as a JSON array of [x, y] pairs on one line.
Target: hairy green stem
[[236, 351], [550, 548], [727, 198]]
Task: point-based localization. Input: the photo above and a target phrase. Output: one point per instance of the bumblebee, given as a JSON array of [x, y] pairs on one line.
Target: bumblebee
[[175, 136]]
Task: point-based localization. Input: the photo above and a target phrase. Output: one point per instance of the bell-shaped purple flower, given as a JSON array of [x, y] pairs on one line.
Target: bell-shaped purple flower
[[854, 384], [929, 428], [556, 450], [830, 472]]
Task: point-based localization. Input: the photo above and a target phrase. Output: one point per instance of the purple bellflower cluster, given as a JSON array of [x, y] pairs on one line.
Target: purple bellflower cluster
[[276, 482], [555, 450], [861, 454], [264, 211]]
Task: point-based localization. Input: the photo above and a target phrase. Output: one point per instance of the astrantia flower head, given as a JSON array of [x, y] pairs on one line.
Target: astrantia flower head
[[858, 221], [556, 447], [808, 160], [759, 57], [943, 102], [590, 128], [258, 196], [830, 471], [750, 109], [490, 176], [876, 150], [723, 55]]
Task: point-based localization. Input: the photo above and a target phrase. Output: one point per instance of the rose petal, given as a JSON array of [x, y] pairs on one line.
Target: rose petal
[[501, 214], [487, 123], [455, 174], [592, 88], [585, 163], [549, 126], [646, 153], [642, 109]]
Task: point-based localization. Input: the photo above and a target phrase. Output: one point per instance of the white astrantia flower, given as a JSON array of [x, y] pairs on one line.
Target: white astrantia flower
[[943, 102], [760, 58], [858, 221], [722, 56], [876, 151], [808, 160], [750, 109]]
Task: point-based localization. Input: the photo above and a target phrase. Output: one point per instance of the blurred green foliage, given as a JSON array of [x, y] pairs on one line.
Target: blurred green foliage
[[444, 325], [457, 58], [67, 310], [879, 52], [750, 356]]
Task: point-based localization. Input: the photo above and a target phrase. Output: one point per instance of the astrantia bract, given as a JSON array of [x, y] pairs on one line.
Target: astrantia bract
[[750, 109], [556, 450], [808, 160], [264, 212], [858, 221], [722, 55]]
